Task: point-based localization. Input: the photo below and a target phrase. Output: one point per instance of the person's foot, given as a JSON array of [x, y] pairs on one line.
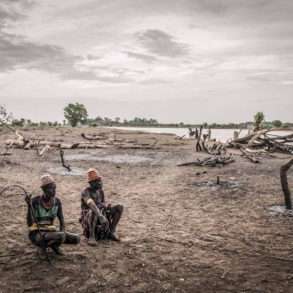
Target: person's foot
[[57, 250], [113, 237], [42, 252], [92, 241]]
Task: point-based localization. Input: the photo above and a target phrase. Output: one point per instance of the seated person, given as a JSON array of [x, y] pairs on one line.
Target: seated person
[[42, 211], [99, 221]]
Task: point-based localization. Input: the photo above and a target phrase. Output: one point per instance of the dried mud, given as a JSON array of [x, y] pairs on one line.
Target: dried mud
[[178, 233]]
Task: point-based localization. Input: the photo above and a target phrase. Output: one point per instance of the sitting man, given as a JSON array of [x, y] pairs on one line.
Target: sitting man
[[42, 211], [98, 220]]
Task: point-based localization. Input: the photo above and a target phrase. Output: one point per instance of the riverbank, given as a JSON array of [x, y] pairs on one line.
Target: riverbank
[[181, 232]]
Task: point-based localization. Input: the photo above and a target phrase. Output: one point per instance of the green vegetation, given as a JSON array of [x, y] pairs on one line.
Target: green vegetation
[[75, 113], [277, 123], [259, 119]]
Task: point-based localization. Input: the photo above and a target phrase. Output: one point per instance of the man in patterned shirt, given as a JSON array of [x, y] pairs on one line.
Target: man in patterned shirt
[[98, 220]]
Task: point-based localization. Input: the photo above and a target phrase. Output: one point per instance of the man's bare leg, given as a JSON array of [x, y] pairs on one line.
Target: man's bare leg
[[116, 213], [54, 240], [93, 218]]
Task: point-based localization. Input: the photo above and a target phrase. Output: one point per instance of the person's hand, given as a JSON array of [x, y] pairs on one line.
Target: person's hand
[[103, 219], [104, 222], [28, 198]]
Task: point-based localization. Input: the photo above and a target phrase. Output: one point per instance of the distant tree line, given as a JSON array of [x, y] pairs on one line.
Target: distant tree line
[[77, 115]]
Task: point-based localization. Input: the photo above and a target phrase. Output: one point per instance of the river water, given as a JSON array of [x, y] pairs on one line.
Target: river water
[[219, 134]]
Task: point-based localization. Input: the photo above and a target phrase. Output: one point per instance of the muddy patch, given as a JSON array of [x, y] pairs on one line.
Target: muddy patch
[[62, 171], [120, 159]]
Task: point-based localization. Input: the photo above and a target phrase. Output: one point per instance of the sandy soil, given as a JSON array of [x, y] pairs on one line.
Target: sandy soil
[[180, 232]]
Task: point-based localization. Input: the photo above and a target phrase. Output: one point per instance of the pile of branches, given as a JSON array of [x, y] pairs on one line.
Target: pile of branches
[[210, 161], [269, 140], [92, 142], [204, 142]]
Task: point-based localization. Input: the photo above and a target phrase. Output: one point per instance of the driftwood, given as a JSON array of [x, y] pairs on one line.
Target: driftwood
[[92, 137], [44, 150], [180, 137], [6, 154], [19, 142], [210, 161], [204, 143], [284, 183], [249, 156], [198, 145], [266, 141], [137, 147], [42, 146]]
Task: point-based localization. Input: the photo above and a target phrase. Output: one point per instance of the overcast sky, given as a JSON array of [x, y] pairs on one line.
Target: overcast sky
[[173, 60]]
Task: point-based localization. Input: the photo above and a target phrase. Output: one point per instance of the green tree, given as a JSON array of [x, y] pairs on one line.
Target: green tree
[[259, 118], [277, 123], [75, 113]]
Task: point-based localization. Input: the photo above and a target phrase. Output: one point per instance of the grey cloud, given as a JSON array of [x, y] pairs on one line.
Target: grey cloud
[[114, 79], [93, 57], [18, 53], [162, 44], [152, 81], [140, 56], [11, 10]]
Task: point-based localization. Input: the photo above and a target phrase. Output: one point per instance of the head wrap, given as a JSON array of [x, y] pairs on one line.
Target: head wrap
[[92, 174], [46, 179]]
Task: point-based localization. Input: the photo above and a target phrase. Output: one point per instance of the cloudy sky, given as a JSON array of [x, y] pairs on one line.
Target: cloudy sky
[[173, 60]]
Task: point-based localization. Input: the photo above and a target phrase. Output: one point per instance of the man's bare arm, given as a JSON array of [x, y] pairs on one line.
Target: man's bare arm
[[61, 217]]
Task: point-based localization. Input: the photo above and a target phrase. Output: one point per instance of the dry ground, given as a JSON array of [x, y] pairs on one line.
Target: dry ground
[[179, 234]]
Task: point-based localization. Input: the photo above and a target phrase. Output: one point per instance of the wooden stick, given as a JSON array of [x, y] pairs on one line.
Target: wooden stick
[[63, 161]]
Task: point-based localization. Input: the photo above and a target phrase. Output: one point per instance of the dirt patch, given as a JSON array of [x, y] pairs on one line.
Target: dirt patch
[[180, 233], [119, 158]]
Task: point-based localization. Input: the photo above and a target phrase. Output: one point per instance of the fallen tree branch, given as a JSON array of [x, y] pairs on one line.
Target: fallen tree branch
[[210, 162], [92, 137], [248, 156]]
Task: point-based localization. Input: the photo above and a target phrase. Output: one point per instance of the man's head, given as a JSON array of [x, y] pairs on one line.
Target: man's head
[[48, 186], [94, 179]]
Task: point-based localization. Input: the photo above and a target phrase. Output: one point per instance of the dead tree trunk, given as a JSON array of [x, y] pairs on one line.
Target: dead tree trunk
[[198, 147], [285, 186], [66, 166]]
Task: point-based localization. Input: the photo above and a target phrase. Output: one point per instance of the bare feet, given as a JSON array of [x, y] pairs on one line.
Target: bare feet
[[113, 237], [57, 250], [92, 241]]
